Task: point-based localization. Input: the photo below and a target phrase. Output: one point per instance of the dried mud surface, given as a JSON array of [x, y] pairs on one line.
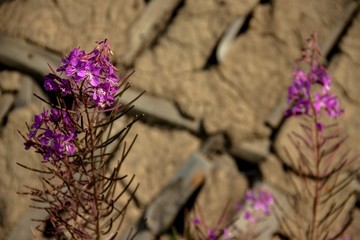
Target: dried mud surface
[[232, 96]]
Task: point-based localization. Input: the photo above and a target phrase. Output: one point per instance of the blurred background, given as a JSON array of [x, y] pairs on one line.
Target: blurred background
[[209, 67]]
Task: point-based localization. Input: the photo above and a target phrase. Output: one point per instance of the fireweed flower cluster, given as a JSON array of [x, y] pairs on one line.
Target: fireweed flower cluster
[[303, 96], [260, 202], [91, 80], [320, 207], [89, 77], [53, 135], [258, 205], [78, 190]]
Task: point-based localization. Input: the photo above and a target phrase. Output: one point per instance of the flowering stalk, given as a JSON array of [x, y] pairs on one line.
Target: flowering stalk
[[78, 187], [204, 231], [318, 163], [255, 208]]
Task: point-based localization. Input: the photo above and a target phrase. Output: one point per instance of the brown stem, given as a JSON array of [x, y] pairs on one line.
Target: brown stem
[[314, 232], [92, 121]]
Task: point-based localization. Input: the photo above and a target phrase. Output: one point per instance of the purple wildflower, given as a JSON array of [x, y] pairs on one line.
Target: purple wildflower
[[260, 200], [328, 102], [90, 72], [50, 83], [89, 77], [53, 134], [101, 96], [319, 126], [227, 234], [323, 78], [300, 95], [72, 63], [249, 216], [211, 234], [301, 85], [196, 221]]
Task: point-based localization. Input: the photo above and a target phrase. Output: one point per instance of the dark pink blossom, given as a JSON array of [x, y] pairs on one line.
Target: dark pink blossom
[[196, 221], [53, 134], [88, 77], [303, 97], [249, 216], [211, 234], [329, 103], [260, 200]]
